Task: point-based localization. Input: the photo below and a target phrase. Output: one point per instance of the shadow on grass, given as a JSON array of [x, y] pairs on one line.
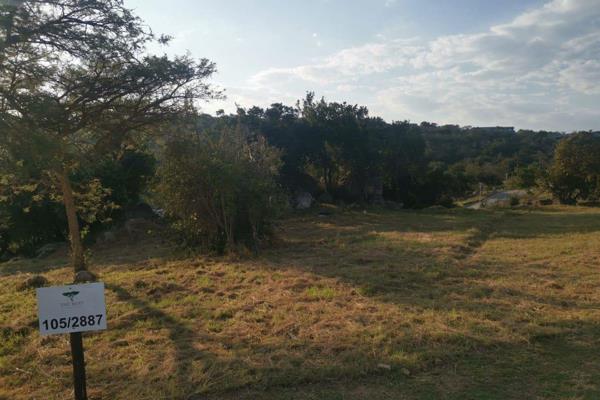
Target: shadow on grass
[[32, 265], [545, 360], [181, 337], [552, 358], [533, 225], [558, 366]]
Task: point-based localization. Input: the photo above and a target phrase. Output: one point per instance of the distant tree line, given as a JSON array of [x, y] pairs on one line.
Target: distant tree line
[[337, 152], [222, 180]]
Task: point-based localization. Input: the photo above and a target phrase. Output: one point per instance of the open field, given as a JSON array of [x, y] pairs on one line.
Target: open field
[[450, 304]]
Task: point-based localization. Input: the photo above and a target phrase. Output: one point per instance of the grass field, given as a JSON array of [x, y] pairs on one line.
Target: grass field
[[371, 305]]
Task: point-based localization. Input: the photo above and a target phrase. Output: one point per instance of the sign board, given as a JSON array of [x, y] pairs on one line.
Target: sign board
[[72, 308]]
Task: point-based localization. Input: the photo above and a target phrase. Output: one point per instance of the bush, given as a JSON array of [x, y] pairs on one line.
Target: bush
[[128, 176], [220, 188], [30, 217]]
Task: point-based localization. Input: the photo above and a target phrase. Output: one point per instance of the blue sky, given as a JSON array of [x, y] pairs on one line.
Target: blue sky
[[523, 63]]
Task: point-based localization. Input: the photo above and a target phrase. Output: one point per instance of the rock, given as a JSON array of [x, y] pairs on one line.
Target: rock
[[35, 281], [507, 198], [138, 226], [84, 276], [405, 371], [48, 249], [303, 200], [107, 237], [384, 366]]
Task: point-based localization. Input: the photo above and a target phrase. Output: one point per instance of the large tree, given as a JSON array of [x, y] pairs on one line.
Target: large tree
[[76, 82], [575, 173]]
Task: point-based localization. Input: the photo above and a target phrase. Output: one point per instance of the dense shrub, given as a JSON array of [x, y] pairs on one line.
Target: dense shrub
[[220, 188], [30, 216], [127, 177]]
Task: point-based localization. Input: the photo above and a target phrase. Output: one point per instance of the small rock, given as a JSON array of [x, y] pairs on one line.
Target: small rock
[[405, 371], [384, 366], [35, 281], [84, 276]]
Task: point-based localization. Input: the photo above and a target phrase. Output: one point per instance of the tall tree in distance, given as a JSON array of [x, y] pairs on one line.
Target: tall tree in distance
[[77, 82], [575, 172]]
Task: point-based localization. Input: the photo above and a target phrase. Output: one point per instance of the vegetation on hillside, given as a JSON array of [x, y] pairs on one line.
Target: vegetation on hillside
[[80, 96]]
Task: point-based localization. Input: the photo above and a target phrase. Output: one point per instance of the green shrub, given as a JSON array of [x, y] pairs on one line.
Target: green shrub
[[220, 188], [30, 216]]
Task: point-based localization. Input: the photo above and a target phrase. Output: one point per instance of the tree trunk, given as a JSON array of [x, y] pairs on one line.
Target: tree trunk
[[77, 258]]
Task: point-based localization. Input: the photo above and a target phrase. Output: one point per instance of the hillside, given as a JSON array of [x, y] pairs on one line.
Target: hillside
[[454, 304]]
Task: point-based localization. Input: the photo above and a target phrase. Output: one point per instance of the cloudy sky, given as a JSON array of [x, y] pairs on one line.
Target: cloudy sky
[[524, 63]]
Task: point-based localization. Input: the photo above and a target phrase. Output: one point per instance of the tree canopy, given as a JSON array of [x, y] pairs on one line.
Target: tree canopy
[[77, 82]]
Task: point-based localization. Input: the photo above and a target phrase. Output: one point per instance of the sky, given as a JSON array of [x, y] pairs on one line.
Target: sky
[[531, 64]]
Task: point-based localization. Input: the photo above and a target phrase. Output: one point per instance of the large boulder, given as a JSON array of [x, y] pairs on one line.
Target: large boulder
[[505, 198], [48, 249], [303, 200]]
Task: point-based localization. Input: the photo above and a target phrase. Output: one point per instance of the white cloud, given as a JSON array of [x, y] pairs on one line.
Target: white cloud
[[534, 71]]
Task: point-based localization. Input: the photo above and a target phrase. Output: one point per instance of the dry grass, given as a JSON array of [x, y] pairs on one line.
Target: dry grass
[[383, 305]]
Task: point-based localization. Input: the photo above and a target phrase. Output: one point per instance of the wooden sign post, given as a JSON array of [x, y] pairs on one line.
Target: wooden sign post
[[73, 309], [78, 358]]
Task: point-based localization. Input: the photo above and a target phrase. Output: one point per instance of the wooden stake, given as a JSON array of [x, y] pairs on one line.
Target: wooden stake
[[79, 385]]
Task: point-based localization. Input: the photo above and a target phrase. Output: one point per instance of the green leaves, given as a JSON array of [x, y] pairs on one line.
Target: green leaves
[[219, 187], [575, 173]]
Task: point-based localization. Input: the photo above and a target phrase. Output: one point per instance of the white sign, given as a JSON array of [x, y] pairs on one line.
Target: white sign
[[73, 308]]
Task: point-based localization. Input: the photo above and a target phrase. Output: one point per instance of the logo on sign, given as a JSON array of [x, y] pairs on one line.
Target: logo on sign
[[70, 295]]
